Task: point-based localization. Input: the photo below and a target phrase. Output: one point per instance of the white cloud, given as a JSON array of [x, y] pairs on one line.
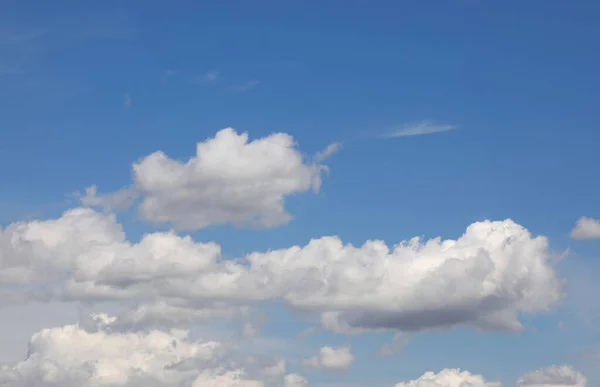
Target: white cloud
[[71, 356], [114, 201], [484, 278], [295, 380], [554, 376], [331, 359], [230, 180], [586, 228], [93, 354], [331, 149], [448, 378], [419, 129]]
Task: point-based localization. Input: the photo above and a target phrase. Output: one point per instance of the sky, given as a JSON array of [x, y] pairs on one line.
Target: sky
[[292, 194]]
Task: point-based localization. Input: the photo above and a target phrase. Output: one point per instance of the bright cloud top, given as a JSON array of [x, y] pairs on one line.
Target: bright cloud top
[[484, 278], [586, 228], [449, 378], [555, 376], [331, 359], [229, 180], [73, 356]]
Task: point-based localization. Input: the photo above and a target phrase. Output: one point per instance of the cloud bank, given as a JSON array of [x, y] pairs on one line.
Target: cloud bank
[[486, 278]]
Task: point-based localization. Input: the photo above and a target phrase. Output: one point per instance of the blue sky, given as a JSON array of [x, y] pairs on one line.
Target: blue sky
[[88, 89]]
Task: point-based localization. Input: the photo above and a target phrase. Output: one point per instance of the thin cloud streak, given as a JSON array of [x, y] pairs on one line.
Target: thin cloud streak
[[244, 87], [420, 129], [127, 101], [210, 76]]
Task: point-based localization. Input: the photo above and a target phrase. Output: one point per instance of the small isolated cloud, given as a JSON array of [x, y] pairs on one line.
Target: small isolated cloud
[[210, 76], [554, 376], [229, 180], [449, 378], [419, 129], [295, 380], [127, 101], [326, 153], [114, 201], [244, 86], [586, 228], [331, 359]]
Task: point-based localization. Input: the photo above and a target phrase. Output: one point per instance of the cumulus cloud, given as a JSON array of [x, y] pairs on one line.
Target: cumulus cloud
[[331, 359], [93, 354], [484, 278], [449, 378], [493, 271], [586, 228], [295, 380], [71, 356], [230, 180], [554, 376]]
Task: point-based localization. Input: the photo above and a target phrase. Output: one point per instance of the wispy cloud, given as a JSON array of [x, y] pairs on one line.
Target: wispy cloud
[[127, 101], [420, 129], [244, 86], [210, 76], [328, 152]]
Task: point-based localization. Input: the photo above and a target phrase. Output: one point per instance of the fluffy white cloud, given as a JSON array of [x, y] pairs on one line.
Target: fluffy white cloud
[[448, 378], [73, 356], [230, 180], [42, 251], [554, 376], [295, 380], [586, 228], [484, 278], [331, 359], [92, 354]]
